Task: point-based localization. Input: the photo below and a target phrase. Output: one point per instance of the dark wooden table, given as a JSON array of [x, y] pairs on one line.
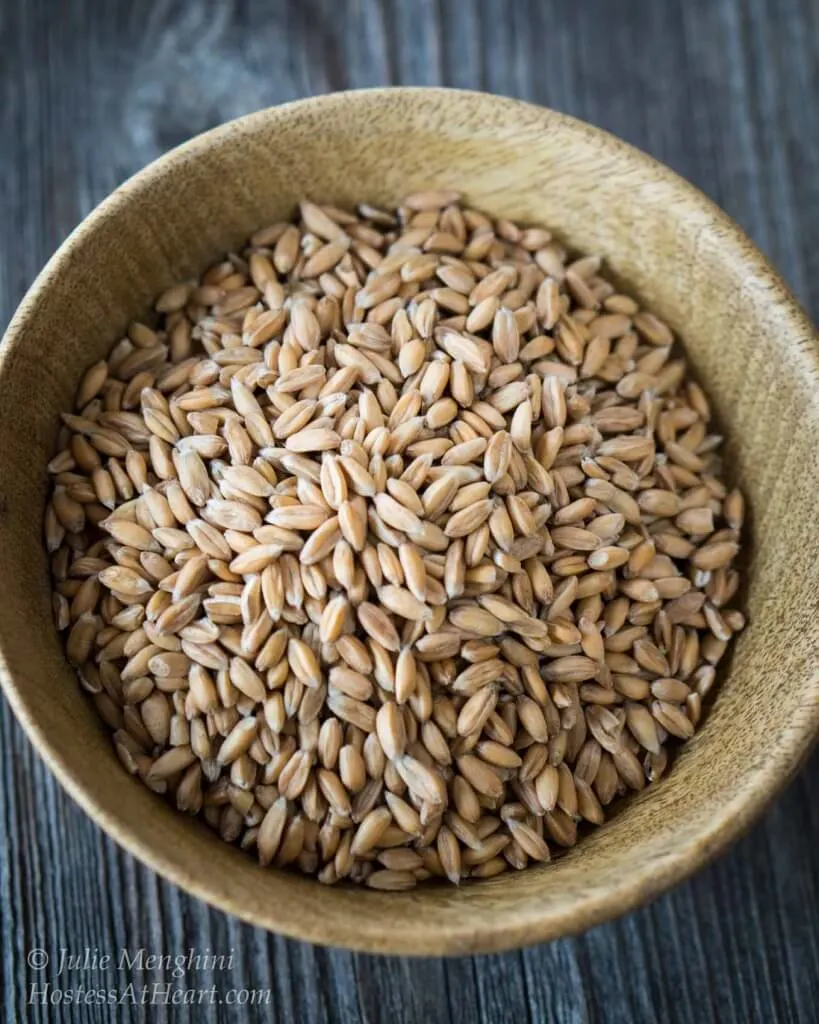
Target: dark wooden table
[[725, 91]]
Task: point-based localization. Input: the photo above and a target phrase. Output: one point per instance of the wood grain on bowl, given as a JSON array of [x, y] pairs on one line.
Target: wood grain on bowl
[[746, 338]]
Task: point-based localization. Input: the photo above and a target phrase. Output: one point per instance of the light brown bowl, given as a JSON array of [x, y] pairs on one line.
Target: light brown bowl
[[748, 341]]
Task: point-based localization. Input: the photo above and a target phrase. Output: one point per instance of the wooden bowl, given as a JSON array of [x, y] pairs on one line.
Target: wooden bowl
[[748, 340]]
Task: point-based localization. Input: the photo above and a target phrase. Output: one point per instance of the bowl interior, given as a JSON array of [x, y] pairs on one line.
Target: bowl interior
[[745, 337]]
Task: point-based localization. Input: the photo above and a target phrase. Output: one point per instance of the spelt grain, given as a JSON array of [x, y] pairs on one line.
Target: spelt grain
[[398, 543]]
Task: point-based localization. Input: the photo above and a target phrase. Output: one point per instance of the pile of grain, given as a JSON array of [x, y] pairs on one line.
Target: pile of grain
[[398, 549]]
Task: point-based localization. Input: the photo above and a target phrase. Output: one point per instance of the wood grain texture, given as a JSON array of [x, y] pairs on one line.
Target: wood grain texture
[[720, 92]]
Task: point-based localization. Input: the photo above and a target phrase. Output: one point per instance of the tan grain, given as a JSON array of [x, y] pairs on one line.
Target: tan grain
[[398, 547]]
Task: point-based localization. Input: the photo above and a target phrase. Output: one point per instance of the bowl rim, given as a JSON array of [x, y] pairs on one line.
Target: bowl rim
[[501, 931]]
